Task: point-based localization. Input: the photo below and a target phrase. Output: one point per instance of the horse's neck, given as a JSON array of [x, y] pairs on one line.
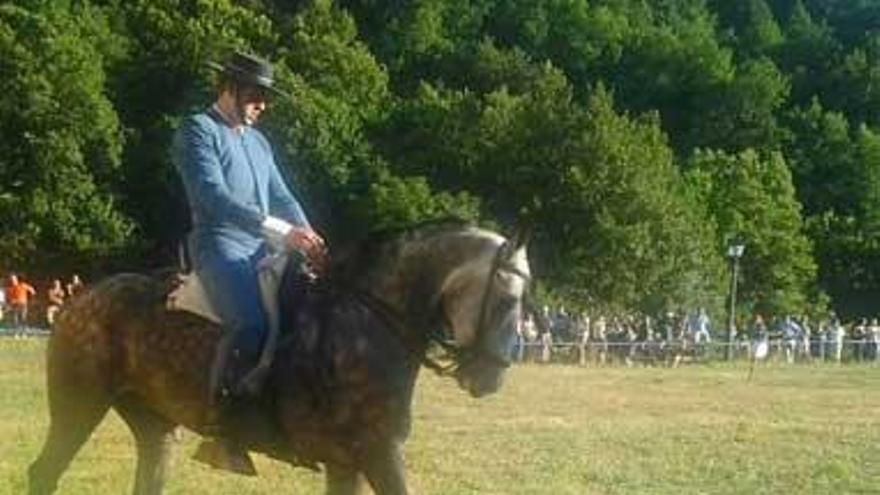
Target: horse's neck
[[409, 280]]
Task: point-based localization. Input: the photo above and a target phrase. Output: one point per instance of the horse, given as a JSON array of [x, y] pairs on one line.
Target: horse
[[339, 391]]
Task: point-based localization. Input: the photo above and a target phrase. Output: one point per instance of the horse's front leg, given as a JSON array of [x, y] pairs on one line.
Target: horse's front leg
[[383, 467], [343, 481]]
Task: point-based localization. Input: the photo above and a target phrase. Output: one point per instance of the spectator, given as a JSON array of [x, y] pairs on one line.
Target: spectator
[[699, 327], [792, 336], [667, 326], [582, 326], [561, 326], [74, 286], [600, 336], [2, 303], [55, 297], [19, 293], [626, 337], [760, 339], [648, 336], [821, 337], [873, 332], [858, 335], [759, 328], [837, 333], [806, 332], [546, 346], [529, 337]]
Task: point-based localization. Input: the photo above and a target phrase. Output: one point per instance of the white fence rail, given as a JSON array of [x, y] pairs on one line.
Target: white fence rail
[[676, 352]]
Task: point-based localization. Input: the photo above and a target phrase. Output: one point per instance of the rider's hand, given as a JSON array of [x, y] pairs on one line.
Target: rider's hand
[[310, 243]]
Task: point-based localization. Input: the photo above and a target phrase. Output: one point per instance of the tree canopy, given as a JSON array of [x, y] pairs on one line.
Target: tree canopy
[[638, 138]]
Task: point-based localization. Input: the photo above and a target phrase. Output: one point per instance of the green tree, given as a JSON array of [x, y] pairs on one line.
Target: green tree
[[849, 257], [614, 224], [868, 155], [339, 91], [823, 160], [855, 89], [848, 245], [752, 201], [759, 34], [675, 66], [743, 113], [582, 38], [61, 139], [808, 54], [161, 77]]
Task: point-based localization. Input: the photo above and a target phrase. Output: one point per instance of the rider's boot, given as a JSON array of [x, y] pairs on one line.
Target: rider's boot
[[220, 449]]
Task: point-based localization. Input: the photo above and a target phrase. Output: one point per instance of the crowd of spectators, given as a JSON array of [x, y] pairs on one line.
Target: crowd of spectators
[[580, 337], [557, 335], [23, 306]]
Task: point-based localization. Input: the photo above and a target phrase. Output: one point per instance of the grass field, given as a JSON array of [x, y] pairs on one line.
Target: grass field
[[551, 430]]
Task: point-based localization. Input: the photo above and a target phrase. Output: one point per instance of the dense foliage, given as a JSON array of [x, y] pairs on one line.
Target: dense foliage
[[638, 138]]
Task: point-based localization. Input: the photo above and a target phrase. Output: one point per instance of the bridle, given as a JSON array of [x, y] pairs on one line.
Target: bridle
[[459, 355], [500, 264]]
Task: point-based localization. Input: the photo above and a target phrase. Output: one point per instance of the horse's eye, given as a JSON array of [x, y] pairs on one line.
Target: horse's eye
[[503, 277], [507, 302]]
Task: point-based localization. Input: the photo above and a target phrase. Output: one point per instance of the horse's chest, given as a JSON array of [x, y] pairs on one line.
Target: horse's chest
[[339, 429]]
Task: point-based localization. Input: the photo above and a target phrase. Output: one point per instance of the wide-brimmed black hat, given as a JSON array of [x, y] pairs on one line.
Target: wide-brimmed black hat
[[248, 69]]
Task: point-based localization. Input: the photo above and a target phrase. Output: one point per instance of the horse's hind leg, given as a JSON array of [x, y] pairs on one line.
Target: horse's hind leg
[[342, 481], [155, 440], [383, 467], [73, 414]]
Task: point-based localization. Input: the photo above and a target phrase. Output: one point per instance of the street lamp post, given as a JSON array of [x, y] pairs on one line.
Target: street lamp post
[[734, 252]]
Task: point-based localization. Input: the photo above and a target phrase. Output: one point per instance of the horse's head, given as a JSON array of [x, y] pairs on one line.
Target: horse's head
[[469, 280], [482, 304]]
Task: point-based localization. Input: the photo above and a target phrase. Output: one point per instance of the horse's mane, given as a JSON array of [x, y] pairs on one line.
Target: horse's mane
[[425, 227], [353, 259], [352, 266]]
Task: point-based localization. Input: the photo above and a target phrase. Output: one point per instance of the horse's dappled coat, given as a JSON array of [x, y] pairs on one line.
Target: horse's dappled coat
[[341, 386]]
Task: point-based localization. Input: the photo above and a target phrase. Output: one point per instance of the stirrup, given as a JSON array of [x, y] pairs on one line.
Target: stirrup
[[223, 454], [251, 384]]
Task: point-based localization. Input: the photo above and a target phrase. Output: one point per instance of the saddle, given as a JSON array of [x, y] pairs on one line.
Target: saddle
[[190, 296]]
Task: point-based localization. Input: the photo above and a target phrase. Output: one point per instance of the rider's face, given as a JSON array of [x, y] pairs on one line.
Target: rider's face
[[252, 102]]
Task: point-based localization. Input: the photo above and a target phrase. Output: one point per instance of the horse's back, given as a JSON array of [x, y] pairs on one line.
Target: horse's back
[[119, 335], [89, 319], [87, 322]]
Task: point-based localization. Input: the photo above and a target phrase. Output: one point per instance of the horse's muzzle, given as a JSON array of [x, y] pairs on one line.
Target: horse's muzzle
[[480, 380]]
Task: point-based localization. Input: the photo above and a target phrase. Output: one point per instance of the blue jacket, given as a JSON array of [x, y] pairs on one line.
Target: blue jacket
[[232, 184]]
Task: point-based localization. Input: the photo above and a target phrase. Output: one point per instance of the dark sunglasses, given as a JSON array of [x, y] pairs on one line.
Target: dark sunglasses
[[250, 94]]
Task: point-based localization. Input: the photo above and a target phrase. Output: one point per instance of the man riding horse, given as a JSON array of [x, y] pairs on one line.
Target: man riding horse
[[349, 347], [241, 208]]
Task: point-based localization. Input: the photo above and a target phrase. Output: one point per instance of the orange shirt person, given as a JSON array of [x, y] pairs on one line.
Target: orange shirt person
[[18, 294]]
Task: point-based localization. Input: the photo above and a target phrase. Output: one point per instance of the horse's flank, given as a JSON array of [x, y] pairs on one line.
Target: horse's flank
[[119, 337]]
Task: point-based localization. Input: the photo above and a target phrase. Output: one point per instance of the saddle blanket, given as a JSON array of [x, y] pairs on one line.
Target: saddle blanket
[[190, 295]]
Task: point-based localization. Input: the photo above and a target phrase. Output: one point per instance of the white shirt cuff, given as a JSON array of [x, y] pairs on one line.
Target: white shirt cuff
[[275, 230]]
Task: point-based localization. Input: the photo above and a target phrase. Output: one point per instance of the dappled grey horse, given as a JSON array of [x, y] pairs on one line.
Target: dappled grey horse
[[339, 392]]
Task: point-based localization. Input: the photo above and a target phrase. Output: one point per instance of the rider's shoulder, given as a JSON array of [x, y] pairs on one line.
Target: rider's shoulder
[[200, 121]]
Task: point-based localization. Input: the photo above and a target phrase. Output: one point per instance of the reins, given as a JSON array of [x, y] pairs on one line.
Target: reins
[[395, 322], [499, 263], [458, 355], [416, 345]]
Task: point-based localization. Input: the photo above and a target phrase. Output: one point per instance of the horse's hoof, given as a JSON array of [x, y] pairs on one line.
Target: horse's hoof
[[221, 454]]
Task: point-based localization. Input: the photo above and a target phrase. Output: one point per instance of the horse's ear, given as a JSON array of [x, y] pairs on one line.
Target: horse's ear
[[521, 234]]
